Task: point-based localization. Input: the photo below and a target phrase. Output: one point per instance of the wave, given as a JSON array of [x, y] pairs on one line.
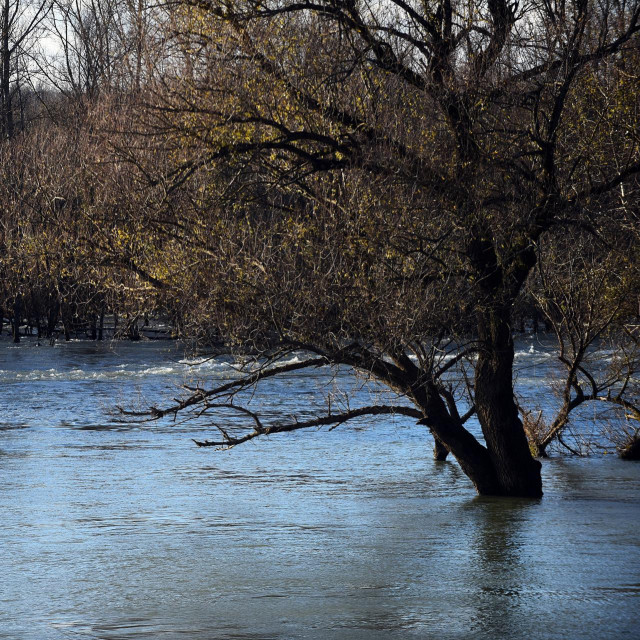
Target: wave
[[121, 372], [185, 368], [532, 353]]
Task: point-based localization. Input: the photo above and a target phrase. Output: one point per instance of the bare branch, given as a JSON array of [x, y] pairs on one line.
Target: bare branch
[[333, 419]]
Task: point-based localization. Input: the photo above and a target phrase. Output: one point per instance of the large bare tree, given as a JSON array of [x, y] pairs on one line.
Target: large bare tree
[[373, 182]]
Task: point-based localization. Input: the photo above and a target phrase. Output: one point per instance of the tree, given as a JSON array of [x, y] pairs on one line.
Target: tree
[[100, 46], [20, 25], [374, 183], [588, 287], [67, 241]]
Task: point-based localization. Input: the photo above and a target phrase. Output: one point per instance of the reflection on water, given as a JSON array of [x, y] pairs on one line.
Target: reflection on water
[[124, 533]]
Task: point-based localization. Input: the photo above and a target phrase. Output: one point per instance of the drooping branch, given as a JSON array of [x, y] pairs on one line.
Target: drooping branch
[[335, 419], [199, 396]]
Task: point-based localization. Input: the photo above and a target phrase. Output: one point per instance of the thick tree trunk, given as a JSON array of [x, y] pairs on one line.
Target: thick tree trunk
[[500, 281], [518, 473], [631, 451], [472, 457]]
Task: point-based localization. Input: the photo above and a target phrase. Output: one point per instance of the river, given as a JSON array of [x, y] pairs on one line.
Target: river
[[122, 531]]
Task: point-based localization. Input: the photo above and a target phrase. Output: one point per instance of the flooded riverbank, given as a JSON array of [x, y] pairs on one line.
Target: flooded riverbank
[[121, 531]]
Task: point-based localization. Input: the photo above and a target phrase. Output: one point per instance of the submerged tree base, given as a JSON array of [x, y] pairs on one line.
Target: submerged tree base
[[440, 452], [632, 450]]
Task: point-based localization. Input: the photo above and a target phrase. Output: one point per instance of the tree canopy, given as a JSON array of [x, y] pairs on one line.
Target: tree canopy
[[378, 183], [383, 186]]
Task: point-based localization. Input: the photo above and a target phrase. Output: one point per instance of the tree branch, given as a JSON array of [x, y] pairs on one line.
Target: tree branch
[[333, 419]]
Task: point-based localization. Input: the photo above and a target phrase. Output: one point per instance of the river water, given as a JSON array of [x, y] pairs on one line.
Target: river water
[[122, 531]]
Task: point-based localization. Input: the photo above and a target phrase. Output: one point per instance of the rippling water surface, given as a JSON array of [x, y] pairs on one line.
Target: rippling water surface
[[119, 531]]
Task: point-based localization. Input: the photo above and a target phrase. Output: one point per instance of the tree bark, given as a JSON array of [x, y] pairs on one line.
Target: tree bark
[[66, 321], [473, 458], [440, 452], [93, 326], [53, 313], [101, 324], [518, 473], [632, 450], [17, 317]]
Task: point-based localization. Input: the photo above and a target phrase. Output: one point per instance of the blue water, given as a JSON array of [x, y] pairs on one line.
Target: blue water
[[116, 531]]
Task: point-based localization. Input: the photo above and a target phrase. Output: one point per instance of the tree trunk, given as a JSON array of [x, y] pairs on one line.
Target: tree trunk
[[17, 317], [5, 73], [38, 325], [440, 452], [66, 321], [133, 330], [631, 450], [101, 324], [518, 473], [54, 312], [500, 281], [473, 458], [535, 327]]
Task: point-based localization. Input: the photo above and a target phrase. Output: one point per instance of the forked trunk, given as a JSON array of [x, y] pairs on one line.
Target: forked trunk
[[500, 281], [473, 458]]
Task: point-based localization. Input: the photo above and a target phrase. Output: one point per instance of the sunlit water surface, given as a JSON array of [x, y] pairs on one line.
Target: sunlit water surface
[[121, 531]]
